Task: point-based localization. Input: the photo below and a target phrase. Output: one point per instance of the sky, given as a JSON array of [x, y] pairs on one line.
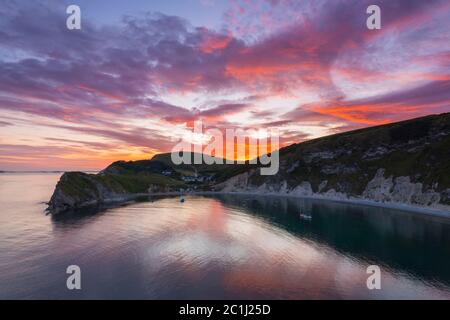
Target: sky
[[133, 80]]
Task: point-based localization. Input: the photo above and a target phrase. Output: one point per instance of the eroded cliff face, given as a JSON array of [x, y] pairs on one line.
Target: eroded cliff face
[[394, 190], [400, 190], [403, 163], [76, 190]]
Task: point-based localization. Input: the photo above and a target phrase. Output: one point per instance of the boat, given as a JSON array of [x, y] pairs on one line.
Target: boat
[[306, 217]]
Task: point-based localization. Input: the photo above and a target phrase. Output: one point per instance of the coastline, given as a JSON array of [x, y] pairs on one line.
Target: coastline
[[408, 208], [437, 212]]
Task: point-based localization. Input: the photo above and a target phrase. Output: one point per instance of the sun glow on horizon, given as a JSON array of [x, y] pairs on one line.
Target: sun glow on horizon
[[70, 100]]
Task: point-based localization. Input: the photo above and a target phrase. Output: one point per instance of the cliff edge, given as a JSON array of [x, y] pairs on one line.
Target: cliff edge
[[406, 162]]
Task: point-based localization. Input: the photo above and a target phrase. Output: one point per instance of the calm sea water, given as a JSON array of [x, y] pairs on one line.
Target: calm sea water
[[216, 247]]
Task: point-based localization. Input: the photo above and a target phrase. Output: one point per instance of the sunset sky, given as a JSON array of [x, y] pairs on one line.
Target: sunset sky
[[134, 78]]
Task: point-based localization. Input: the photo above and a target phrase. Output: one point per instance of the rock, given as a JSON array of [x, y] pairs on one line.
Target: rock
[[379, 188], [75, 190], [321, 155], [429, 198], [399, 190], [322, 186], [404, 190], [236, 183], [375, 153], [303, 189], [293, 167], [338, 169]]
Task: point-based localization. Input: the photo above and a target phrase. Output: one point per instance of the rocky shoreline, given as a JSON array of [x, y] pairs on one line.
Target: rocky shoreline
[[401, 164], [381, 190], [437, 211]]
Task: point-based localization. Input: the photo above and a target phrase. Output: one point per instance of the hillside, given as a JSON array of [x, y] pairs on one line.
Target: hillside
[[406, 162], [123, 180]]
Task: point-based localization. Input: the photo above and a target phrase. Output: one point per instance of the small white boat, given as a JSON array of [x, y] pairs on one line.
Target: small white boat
[[306, 217]]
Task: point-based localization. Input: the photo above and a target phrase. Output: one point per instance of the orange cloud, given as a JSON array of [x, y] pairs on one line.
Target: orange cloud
[[213, 43]]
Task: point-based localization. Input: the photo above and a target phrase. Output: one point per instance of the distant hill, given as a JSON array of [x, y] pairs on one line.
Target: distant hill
[[406, 162]]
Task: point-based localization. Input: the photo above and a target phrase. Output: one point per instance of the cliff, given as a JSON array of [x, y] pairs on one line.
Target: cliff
[[77, 189], [406, 162]]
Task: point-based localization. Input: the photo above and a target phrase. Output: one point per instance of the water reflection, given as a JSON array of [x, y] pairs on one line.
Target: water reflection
[[216, 247], [261, 247], [409, 242]]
